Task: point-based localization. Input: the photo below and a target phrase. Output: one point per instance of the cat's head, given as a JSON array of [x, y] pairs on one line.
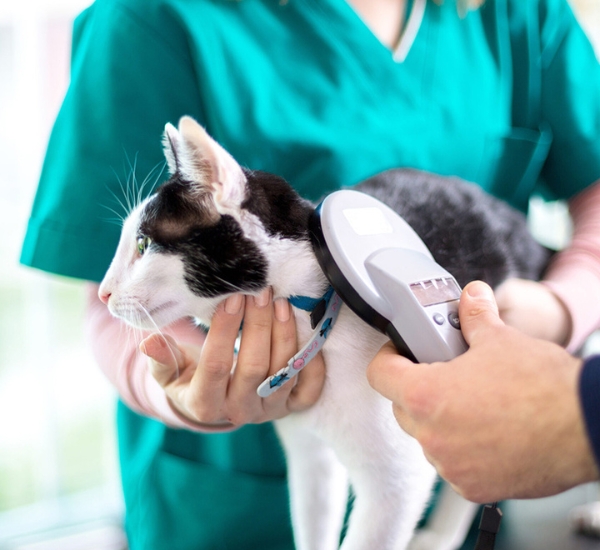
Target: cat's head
[[211, 230]]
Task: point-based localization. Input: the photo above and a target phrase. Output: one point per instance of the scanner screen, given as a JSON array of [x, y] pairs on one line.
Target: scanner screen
[[436, 291], [367, 221]]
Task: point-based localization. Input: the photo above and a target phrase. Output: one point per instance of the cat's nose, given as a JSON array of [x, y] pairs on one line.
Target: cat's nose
[[104, 295]]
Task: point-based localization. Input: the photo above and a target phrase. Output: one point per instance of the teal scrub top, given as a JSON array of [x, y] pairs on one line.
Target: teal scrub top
[[507, 97]]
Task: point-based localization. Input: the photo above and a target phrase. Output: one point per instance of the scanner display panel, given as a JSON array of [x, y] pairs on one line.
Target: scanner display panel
[[435, 291]]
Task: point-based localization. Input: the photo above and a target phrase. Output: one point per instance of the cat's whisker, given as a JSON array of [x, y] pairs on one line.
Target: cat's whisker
[[119, 201], [126, 333], [119, 218], [232, 287], [124, 202], [132, 183], [128, 188], [151, 319], [133, 194], [141, 191], [114, 221]]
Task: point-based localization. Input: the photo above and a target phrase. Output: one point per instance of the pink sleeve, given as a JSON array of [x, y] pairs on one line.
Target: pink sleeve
[[574, 273], [115, 348]]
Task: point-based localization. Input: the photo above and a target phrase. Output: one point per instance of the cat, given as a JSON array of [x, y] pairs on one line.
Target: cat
[[215, 228]]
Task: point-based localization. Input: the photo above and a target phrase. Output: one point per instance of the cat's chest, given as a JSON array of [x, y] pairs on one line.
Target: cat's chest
[[347, 351]]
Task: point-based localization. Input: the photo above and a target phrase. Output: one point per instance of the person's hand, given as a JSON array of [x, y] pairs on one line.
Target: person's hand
[[502, 420], [199, 381], [534, 309]]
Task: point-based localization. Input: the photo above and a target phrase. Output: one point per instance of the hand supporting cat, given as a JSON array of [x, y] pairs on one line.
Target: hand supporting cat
[[200, 384]]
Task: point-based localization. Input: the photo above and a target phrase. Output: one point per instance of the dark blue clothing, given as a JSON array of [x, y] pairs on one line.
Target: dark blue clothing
[[589, 390]]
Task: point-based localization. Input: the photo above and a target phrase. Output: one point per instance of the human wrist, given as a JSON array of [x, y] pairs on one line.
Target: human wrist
[[577, 286]]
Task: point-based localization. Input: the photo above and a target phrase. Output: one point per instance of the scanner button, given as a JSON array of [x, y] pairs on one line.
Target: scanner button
[[454, 320], [439, 318]]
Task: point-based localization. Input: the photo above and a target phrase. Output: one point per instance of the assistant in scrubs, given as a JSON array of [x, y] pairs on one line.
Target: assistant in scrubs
[[507, 96]]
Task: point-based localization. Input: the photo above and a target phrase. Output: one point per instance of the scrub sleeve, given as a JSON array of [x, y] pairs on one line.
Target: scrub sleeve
[[589, 391], [305, 90]]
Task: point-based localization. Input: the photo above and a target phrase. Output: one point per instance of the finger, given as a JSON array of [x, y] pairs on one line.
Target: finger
[[211, 379], [478, 311], [417, 389], [309, 387], [386, 372], [284, 345], [165, 357], [254, 358]]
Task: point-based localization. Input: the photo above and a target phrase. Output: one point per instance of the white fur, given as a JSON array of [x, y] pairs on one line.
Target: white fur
[[350, 433]]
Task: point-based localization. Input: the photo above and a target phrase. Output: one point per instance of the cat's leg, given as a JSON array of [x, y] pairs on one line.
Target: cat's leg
[[318, 485], [448, 524], [392, 485]]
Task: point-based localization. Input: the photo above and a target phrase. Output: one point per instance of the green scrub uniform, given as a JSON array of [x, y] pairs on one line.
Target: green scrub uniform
[[507, 97]]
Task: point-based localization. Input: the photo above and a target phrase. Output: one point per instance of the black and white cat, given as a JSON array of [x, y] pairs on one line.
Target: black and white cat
[[214, 229]]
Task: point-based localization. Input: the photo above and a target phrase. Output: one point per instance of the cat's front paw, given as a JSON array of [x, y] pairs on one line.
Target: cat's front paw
[[430, 540]]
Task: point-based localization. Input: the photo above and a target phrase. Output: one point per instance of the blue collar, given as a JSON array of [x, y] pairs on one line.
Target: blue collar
[[323, 316], [304, 302], [315, 306]]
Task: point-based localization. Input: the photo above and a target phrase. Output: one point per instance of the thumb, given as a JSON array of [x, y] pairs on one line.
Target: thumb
[[166, 358], [478, 311], [386, 372]]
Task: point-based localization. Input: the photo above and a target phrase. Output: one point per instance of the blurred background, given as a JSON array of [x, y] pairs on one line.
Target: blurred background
[[59, 485], [58, 462]]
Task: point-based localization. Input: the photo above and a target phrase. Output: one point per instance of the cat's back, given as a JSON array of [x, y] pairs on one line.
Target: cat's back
[[469, 232]]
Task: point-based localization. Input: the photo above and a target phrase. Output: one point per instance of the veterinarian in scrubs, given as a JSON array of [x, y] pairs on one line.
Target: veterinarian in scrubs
[[324, 93]]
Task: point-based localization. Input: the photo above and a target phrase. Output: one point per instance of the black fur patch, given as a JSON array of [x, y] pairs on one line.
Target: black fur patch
[[171, 211], [469, 232], [219, 259], [277, 205], [216, 255]]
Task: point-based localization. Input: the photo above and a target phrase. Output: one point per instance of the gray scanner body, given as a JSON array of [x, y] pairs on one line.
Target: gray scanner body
[[384, 272]]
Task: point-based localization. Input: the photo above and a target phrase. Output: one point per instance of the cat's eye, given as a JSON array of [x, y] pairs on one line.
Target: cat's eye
[[142, 244]]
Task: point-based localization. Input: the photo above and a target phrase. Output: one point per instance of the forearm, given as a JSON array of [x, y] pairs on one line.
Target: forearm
[[115, 348], [574, 273]]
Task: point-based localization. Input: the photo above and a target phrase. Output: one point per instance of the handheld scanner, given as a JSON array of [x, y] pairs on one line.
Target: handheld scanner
[[384, 272]]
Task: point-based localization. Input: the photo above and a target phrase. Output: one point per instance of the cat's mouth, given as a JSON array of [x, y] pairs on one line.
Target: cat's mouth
[[139, 316], [161, 308], [162, 315]]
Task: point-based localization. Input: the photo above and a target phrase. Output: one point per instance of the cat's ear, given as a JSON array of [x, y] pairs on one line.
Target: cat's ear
[[201, 161], [171, 145]]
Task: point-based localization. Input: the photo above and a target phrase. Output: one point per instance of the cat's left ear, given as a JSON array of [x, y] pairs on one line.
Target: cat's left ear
[[202, 162]]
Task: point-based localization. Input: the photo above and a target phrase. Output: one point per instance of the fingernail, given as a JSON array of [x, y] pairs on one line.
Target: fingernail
[[478, 289], [233, 304], [282, 310], [263, 298]]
